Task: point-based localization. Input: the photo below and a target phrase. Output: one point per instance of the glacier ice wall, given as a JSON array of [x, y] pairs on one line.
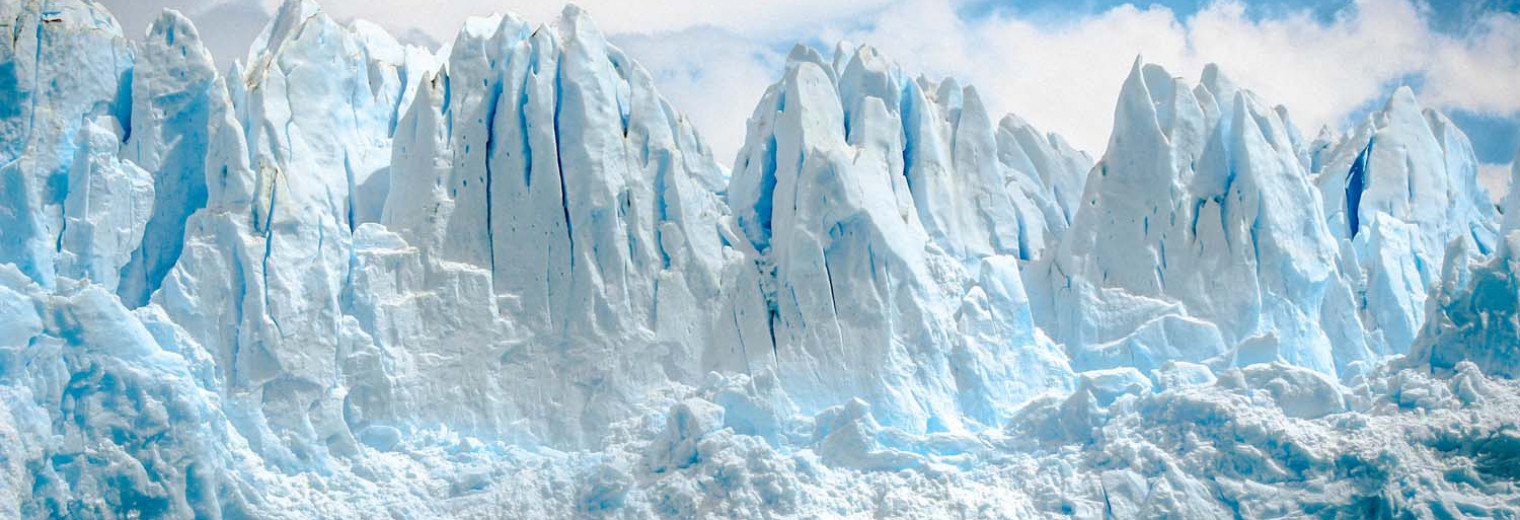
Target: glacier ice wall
[[1409, 192], [45, 105], [348, 277], [174, 83], [875, 281], [1199, 239], [530, 197]]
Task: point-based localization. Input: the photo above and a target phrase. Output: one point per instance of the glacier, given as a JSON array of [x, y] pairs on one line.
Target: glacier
[[351, 278]]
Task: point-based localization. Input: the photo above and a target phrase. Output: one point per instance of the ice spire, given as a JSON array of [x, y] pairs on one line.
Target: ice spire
[[174, 87]]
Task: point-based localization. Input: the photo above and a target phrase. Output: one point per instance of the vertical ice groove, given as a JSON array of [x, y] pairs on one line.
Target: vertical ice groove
[[564, 195], [492, 102], [264, 261]]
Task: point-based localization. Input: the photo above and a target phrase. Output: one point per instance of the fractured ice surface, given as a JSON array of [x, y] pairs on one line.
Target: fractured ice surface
[[349, 277], [864, 285], [1199, 239]]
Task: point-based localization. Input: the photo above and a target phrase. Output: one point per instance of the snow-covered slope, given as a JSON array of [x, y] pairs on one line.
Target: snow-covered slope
[[350, 278]]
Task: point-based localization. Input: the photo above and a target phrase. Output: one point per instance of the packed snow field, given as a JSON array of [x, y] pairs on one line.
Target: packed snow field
[[347, 278]]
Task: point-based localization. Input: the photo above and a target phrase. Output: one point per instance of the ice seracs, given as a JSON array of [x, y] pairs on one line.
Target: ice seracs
[[104, 417], [174, 83], [542, 176], [851, 193], [1473, 315], [261, 279], [1416, 167], [1060, 169], [108, 205], [1396, 191], [66, 65], [1199, 239]]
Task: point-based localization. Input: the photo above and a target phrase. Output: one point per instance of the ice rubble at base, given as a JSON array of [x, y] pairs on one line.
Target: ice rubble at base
[[509, 280]]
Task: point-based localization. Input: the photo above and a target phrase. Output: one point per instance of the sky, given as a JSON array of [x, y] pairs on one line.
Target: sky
[[1058, 64]]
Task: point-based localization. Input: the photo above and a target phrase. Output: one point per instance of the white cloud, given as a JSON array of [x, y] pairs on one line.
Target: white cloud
[[1481, 72], [712, 75], [769, 19], [227, 27], [1496, 179], [713, 59], [1320, 71], [1066, 77]]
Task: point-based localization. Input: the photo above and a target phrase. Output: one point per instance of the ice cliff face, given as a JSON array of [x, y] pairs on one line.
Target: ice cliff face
[[1396, 191], [1199, 239], [851, 195], [46, 105], [173, 87], [1222, 201], [508, 279], [570, 210]]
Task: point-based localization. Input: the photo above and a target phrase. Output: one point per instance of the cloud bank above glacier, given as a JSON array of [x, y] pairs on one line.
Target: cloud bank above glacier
[[1056, 64]]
